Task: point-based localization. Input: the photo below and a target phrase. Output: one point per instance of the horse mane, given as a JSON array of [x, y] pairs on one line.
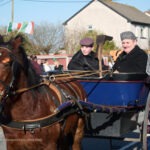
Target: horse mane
[[28, 69], [26, 66]]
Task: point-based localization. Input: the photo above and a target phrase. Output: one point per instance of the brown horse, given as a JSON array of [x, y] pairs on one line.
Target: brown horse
[[27, 105]]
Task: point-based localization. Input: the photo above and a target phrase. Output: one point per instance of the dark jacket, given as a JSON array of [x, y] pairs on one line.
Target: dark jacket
[[135, 61], [82, 62], [59, 68]]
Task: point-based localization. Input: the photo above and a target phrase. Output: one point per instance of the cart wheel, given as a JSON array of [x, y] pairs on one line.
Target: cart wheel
[[145, 139]]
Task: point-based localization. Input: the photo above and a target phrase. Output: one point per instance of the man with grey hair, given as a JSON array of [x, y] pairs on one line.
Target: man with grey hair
[[133, 58]]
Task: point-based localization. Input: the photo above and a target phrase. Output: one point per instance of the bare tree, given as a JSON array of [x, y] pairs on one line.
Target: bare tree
[[73, 38], [3, 30], [47, 38]]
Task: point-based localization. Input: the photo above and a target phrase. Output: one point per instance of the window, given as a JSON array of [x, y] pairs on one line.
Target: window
[[90, 28], [143, 34]]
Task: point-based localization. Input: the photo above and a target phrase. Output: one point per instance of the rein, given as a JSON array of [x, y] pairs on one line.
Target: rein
[[26, 89], [75, 75]]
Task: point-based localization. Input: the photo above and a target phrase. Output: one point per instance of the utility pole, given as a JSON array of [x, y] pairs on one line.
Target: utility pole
[[12, 11]]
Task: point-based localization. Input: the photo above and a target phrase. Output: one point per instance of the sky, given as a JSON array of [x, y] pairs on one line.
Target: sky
[[51, 11]]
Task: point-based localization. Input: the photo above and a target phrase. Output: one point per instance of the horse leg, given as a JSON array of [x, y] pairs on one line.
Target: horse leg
[[78, 135]]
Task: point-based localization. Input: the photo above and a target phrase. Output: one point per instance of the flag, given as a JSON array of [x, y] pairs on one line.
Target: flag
[[13, 26], [25, 27]]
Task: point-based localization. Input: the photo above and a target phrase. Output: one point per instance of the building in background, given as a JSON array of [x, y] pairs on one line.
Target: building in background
[[63, 59], [110, 18]]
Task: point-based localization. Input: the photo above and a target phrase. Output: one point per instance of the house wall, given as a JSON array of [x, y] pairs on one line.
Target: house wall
[[62, 59], [101, 18], [143, 36]]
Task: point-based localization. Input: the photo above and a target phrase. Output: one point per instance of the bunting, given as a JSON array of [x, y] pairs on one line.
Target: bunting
[[25, 27]]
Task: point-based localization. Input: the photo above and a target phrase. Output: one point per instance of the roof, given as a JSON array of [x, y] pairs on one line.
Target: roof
[[147, 13], [131, 13]]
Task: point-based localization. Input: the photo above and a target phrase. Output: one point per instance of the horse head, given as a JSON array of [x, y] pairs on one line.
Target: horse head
[[16, 70]]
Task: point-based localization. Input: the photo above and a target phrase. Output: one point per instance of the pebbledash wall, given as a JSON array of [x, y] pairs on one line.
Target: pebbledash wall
[[62, 58]]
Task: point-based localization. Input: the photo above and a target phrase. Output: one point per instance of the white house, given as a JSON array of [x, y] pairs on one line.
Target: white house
[[111, 18]]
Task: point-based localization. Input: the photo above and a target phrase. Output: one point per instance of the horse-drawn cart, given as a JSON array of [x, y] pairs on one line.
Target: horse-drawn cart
[[115, 102], [117, 106], [52, 114], [118, 100]]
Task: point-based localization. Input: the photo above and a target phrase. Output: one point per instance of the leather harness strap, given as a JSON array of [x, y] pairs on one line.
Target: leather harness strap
[[30, 125]]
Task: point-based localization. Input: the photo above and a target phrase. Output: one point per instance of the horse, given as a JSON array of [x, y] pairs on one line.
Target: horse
[[27, 105]]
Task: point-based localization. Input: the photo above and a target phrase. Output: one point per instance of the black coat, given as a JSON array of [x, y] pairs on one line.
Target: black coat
[[135, 61], [82, 62], [60, 67]]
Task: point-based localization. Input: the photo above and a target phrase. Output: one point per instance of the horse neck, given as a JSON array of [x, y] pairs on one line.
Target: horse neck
[[31, 104]]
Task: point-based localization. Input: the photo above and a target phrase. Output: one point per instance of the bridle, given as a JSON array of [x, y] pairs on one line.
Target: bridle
[[7, 92], [9, 89]]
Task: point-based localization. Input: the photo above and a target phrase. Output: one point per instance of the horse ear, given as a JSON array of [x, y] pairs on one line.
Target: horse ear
[[16, 42]]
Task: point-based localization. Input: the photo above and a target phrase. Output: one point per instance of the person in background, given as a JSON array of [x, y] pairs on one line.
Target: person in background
[[58, 66], [35, 64], [46, 66], [40, 62], [114, 54], [85, 58], [132, 58]]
